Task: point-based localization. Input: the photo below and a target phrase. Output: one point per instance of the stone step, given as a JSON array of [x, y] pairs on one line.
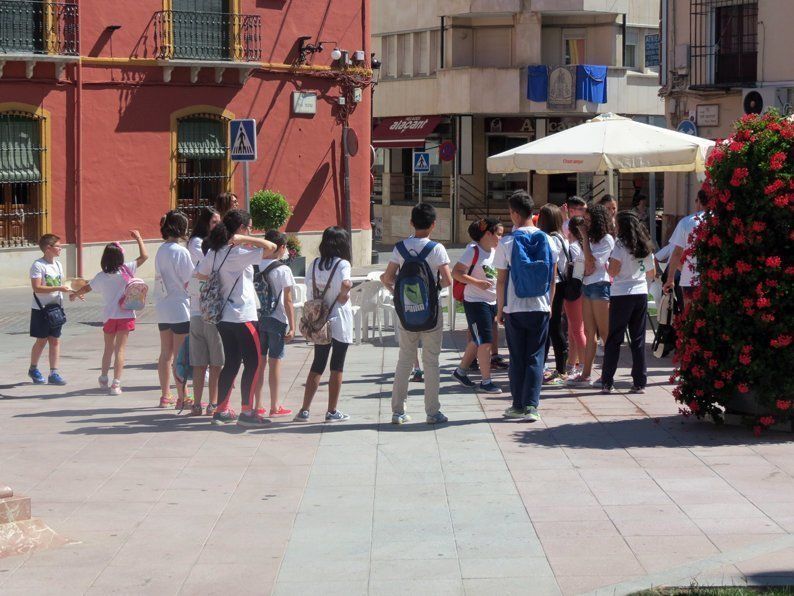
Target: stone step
[[14, 509]]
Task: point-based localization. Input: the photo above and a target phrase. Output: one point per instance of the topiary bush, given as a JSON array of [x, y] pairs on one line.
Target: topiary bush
[[269, 210], [735, 336]]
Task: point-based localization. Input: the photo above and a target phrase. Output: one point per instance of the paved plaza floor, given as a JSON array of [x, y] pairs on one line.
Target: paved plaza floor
[[607, 494]]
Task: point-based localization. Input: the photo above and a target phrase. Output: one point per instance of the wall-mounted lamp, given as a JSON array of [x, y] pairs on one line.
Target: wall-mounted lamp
[[306, 49], [359, 56], [113, 28], [336, 54]]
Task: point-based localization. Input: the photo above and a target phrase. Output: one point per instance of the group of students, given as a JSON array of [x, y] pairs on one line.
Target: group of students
[[584, 266]]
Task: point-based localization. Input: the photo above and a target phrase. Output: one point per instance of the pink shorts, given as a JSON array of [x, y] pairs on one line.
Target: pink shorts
[[116, 325]]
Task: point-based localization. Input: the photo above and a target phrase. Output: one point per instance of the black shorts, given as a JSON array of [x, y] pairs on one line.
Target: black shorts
[[337, 357], [40, 327], [177, 328], [480, 316]]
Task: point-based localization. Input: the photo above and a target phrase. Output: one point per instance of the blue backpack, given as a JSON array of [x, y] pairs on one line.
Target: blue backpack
[[416, 290], [531, 267]]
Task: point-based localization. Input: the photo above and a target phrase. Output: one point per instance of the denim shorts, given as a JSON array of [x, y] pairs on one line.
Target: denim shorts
[[597, 291], [271, 337], [480, 316]]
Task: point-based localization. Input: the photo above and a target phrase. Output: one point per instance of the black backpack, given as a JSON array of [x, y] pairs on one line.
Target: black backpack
[[268, 299], [416, 290]]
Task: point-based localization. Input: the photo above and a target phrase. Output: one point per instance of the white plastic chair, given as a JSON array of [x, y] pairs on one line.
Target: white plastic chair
[[299, 293], [374, 275], [364, 299]]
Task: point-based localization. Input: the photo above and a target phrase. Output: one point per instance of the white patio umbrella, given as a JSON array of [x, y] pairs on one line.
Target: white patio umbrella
[[605, 143]]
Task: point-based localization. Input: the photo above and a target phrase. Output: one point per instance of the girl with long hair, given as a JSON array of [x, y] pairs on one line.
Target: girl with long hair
[[631, 267], [577, 340], [207, 219]]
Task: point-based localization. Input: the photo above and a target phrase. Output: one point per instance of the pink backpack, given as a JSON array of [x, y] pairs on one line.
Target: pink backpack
[[134, 296]]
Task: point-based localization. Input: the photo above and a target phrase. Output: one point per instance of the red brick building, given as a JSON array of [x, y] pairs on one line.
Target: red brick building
[[113, 112]]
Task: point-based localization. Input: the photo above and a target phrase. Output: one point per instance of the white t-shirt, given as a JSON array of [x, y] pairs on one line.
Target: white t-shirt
[[560, 245], [52, 276], [111, 286], [436, 259], [172, 270], [194, 248], [600, 251], [680, 238], [515, 304], [341, 315], [577, 256], [483, 270], [279, 278], [239, 268], [631, 278]]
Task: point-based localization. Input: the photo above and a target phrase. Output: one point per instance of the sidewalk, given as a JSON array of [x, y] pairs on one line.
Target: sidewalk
[[610, 493]]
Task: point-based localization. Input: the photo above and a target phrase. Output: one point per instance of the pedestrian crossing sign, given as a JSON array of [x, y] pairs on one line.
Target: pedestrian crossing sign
[[242, 134], [421, 162]]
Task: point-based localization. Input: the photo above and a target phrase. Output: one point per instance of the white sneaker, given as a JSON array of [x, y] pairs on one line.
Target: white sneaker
[[578, 381], [103, 381], [115, 388]]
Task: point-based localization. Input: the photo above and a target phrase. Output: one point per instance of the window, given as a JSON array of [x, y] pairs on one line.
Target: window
[[405, 57], [434, 51], [201, 29], [421, 53], [573, 46], [652, 51], [22, 206], [736, 36], [631, 53], [203, 170], [389, 45]]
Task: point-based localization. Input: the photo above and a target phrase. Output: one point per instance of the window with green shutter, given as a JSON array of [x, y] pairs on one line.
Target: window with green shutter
[[202, 162], [22, 26], [20, 179], [201, 29]]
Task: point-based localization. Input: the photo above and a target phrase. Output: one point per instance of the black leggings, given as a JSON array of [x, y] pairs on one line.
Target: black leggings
[[626, 312], [337, 358], [558, 337], [240, 345]]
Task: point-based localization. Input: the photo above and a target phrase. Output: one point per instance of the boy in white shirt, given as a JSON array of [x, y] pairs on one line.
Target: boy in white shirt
[[46, 279], [423, 219]]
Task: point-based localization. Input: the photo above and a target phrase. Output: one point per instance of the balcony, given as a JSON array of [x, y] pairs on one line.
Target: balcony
[[478, 7], [34, 31], [583, 6]]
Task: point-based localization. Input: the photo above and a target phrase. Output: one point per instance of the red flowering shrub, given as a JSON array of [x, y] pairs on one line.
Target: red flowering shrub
[[736, 334]]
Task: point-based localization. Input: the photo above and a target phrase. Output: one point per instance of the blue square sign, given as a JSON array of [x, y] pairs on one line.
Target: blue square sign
[[421, 162], [242, 134]]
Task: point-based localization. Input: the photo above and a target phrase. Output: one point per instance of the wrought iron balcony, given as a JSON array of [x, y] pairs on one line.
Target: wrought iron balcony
[[38, 27], [185, 35]]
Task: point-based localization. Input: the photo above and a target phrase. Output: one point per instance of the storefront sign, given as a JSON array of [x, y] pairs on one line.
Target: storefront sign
[[562, 88], [559, 124], [708, 115], [408, 131], [510, 126]]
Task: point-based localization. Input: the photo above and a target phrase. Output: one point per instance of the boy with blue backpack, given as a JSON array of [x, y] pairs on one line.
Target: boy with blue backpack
[[417, 270], [526, 265]]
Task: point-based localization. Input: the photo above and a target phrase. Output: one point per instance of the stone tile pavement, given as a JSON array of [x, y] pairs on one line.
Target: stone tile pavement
[[608, 494]]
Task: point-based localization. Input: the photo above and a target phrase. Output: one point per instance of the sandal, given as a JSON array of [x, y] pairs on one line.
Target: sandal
[[281, 411], [196, 410], [211, 409], [166, 401], [181, 404]]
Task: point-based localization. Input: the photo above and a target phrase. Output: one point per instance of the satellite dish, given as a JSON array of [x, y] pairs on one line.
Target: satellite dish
[[753, 103]]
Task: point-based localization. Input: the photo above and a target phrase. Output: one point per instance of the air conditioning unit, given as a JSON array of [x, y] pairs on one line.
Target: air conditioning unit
[[762, 99]]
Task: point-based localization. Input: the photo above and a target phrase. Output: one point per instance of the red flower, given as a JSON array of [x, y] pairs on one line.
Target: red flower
[[781, 341], [773, 262], [693, 405], [739, 238], [743, 267], [757, 430], [763, 303], [758, 226], [774, 187], [777, 160], [735, 146], [781, 201], [783, 404], [745, 359], [743, 388], [739, 174], [719, 384], [767, 420]]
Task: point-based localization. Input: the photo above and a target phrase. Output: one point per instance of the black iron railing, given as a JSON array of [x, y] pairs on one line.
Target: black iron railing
[[207, 36], [38, 27], [723, 43]]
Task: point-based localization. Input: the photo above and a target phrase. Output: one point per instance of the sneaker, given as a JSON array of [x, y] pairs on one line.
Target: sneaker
[[607, 389], [400, 418], [637, 389], [597, 383], [115, 388], [226, 416], [281, 411], [475, 365], [55, 379], [211, 409], [599, 349], [489, 387], [437, 418], [549, 373], [515, 413], [578, 381], [557, 381], [531, 414], [196, 410], [103, 381], [302, 416], [462, 378], [417, 376], [498, 362], [251, 419], [336, 416], [36, 376]]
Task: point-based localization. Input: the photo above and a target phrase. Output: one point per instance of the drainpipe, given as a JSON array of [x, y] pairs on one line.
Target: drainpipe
[[346, 188], [623, 53], [441, 44], [78, 160]]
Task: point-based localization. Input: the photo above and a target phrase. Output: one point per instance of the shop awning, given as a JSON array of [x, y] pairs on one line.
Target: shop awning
[[404, 132]]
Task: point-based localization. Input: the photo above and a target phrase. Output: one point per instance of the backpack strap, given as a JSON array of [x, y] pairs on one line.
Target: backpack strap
[[475, 259], [330, 277], [272, 267], [422, 256], [400, 246]]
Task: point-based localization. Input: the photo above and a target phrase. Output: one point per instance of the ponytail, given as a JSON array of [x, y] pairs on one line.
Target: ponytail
[[232, 222]]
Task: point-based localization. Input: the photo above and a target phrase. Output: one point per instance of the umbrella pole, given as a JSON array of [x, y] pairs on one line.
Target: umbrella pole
[[611, 183], [652, 206]]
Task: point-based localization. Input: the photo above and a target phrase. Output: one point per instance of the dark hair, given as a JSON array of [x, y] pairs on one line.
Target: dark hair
[[550, 218], [576, 201], [702, 197], [48, 240], [423, 216], [478, 229], [606, 199], [201, 229], [112, 258], [599, 223], [521, 203], [335, 244], [224, 202], [232, 221], [574, 225], [276, 237], [633, 235], [639, 198], [173, 225]]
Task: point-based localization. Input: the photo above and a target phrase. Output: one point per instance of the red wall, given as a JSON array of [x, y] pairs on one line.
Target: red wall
[[127, 118]]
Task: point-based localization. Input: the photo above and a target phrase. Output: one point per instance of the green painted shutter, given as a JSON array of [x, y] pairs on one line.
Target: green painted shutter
[[201, 29], [20, 150], [21, 26], [201, 138]]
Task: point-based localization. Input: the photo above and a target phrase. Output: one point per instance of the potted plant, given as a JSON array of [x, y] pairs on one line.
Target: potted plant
[[269, 210], [734, 340], [295, 260]]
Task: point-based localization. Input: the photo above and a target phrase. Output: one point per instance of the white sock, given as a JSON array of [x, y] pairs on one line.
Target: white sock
[[460, 371]]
